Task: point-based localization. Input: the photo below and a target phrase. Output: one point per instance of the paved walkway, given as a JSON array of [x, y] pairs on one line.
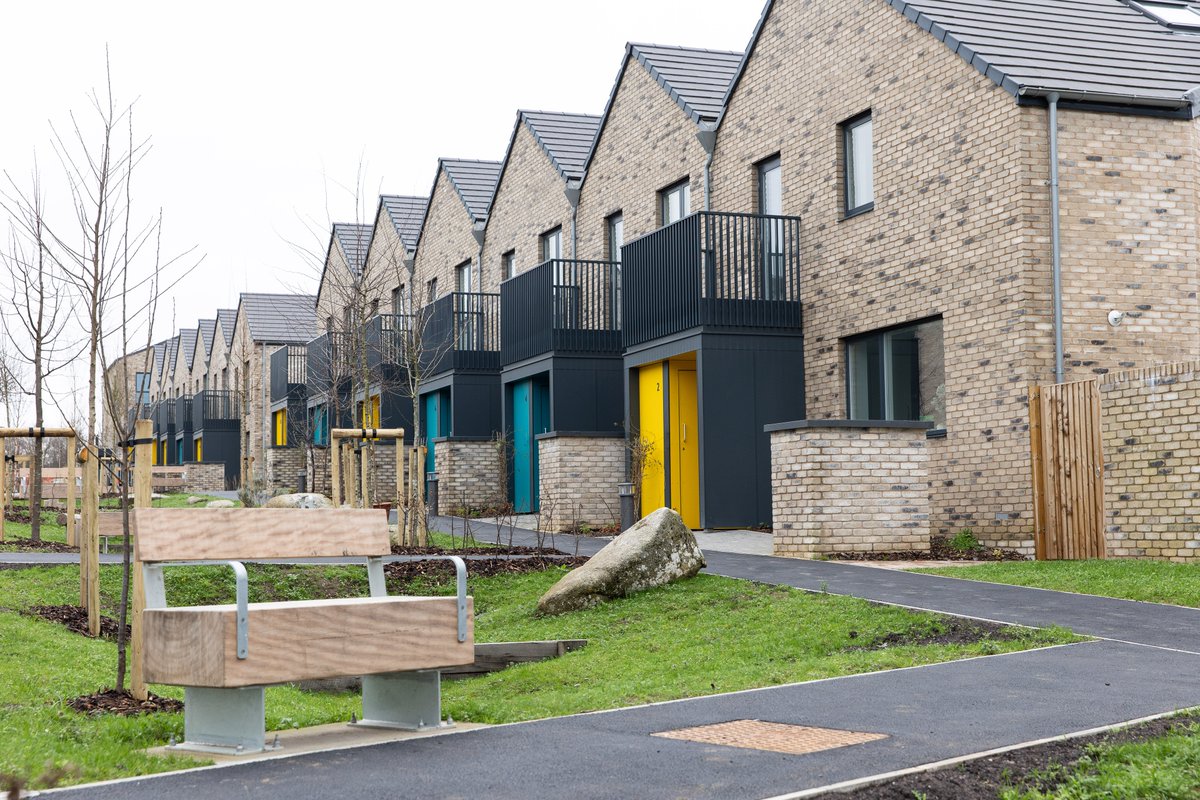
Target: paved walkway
[[1147, 663]]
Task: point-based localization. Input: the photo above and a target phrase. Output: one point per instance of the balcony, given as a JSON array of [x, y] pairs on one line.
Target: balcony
[[329, 361], [385, 339], [215, 409], [289, 372], [164, 416], [462, 332], [182, 412], [734, 272], [570, 307]]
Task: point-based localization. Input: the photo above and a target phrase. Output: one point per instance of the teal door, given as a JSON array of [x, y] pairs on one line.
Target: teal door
[[434, 409], [531, 416]]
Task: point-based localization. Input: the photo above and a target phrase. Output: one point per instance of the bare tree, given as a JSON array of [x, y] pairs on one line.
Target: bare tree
[[12, 380]]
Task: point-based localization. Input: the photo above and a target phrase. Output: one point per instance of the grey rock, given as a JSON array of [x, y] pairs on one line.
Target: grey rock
[[193, 500], [659, 549], [302, 500], [219, 504]]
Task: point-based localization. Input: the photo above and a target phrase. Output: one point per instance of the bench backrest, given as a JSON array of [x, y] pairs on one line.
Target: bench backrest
[[218, 534]]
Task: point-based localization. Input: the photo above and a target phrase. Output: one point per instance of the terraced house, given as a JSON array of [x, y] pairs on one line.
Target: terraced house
[[810, 285]]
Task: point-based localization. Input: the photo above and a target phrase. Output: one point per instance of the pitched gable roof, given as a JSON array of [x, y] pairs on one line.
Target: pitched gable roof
[[407, 214], [280, 318], [227, 319], [160, 353], [475, 182], [187, 344], [168, 363], [354, 239], [208, 332], [565, 138]]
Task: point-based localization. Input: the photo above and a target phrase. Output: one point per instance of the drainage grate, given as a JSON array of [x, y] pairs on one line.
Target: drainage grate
[[776, 737]]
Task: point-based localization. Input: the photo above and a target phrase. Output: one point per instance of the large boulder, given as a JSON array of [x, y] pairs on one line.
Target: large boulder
[[659, 549], [300, 500]]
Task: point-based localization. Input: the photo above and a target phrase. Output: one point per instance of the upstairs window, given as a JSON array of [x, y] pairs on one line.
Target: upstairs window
[[898, 374], [858, 158], [770, 203], [675, 202], [141, 382], [431, 290], [508, 265], [462, 277], [552, 245], [399, 300], [770, 187], [616, 236]]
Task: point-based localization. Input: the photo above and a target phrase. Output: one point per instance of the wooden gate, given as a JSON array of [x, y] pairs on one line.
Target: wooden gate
[[1068, 470]]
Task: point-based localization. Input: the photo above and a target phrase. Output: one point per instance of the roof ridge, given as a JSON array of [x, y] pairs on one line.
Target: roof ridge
[[687, 48]]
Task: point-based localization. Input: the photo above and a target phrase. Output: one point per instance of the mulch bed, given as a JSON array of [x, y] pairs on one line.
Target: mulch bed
[[122, 703], [950, 631], [17, 515], [513, 550], [987, 777], [939, 550], [75, 618], [480, 568], [41, 547]]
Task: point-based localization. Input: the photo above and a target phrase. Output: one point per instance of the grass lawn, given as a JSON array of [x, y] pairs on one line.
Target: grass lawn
[[707, 635], [1164, 768], [1153, 581]]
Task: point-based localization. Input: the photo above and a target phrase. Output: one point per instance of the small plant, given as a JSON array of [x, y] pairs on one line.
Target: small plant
[[964, 541]]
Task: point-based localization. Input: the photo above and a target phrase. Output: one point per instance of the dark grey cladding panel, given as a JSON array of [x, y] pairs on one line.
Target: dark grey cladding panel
[[407, 214], [475, 182], [281, 318], [566, 138], [1104, 50]]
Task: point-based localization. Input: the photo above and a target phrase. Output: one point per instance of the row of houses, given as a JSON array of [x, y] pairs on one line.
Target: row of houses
[[892, 211]]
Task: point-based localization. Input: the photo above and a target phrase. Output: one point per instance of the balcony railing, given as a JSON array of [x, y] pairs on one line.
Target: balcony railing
[[330, 359], [215, 408], [289, 371], [561, 306], [183, 412], [164, 415], [712, 270], [462, 331], [385, 339]]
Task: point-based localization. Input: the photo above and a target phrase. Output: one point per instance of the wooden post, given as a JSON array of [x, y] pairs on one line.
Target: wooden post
[[89, 550], [335, 470], [71, 539], [399, 477], [142, 490], [422, 518], [86, 515], [3, 485], [365, 450]]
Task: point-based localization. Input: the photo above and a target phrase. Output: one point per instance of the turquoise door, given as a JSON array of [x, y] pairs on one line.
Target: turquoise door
[[531, 416], [433, 428]]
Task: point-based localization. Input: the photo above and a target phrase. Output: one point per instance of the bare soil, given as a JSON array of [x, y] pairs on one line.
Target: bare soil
[[122, 703], [479, 568], [939, 550], [512, 550], [75, 618], [40, 547], [1025, 769], [948, 630]]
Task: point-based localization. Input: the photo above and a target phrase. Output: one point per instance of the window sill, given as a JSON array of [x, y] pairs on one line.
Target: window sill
[[857, 212]]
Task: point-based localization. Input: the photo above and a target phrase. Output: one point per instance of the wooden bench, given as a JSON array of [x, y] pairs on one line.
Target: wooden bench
[[225, 654]]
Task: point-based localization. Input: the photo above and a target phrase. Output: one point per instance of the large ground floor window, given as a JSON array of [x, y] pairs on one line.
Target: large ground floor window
[[898, 374]]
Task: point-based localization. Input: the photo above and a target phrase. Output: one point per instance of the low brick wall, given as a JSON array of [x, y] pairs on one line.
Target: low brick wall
[[200, 477], [284, 465], [470, 473], [578, 476], [840, 486], [382, 474], [1151, 429]]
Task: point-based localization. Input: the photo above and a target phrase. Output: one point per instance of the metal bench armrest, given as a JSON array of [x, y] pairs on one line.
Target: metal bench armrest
[[156, 593], [375, 566]]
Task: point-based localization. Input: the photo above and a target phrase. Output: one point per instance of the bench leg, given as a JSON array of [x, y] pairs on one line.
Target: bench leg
[[228, 721], [405, 700]]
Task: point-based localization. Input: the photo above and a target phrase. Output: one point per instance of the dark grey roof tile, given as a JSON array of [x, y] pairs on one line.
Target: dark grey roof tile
[[281, 318], [407, 215], [227, 318], [475, 182], [566, 138], [354, 239], [696, 79]]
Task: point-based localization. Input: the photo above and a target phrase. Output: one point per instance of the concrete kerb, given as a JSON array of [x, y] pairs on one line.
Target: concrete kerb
[[884, 777]]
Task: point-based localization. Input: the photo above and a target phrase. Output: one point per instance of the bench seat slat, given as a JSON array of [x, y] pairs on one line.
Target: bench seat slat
[[293, 641]]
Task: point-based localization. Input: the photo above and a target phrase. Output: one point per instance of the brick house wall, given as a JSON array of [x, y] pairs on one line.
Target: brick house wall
[[578, 478], [1151, 430], [469, 473], [646, 144], [851, 488], [203, 477], [122, 389], [252, 362], [446, 241], [529, 201], [386, 268], [284, 465], [960, 228]]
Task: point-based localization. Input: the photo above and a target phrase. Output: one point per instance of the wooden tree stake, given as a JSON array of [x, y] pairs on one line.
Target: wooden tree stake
[[142, 486]]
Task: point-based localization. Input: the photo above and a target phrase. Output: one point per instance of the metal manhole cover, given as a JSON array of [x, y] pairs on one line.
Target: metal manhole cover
[[776, 737]]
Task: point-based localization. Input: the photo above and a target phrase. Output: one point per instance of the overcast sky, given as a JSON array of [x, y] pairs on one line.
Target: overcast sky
[[260, 114]]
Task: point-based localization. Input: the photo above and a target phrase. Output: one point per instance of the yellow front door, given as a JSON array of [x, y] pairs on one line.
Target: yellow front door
[[685, 440], [651, 386], [199, 450]]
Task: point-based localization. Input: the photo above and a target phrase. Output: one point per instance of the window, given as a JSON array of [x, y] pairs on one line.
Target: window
[[1173, 14], [616, 236], [281, 428], [859, 165], [141, 384], [898, 374], [462, 277], [398, 300], [552, 247], [431, 290], [508, 265], [770, 202], [675, 202]]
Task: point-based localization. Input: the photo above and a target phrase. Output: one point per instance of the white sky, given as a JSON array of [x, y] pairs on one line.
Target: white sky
[[261, 113]]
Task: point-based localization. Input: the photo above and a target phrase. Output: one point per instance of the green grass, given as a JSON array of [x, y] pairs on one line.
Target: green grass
[[1152, 581], [702, 636], [1164, 768]]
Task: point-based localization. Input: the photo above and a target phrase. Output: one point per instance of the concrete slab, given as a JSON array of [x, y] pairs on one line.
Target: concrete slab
[[747, 542]]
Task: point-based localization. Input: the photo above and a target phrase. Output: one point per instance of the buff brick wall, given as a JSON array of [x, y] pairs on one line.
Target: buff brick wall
[[529, 201], [960, 228], [198, 477], [470, 474], [446, 241], [382, 475], [284, 465], [849, 489], [1151, 429], [579, 477], [647, 144]]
